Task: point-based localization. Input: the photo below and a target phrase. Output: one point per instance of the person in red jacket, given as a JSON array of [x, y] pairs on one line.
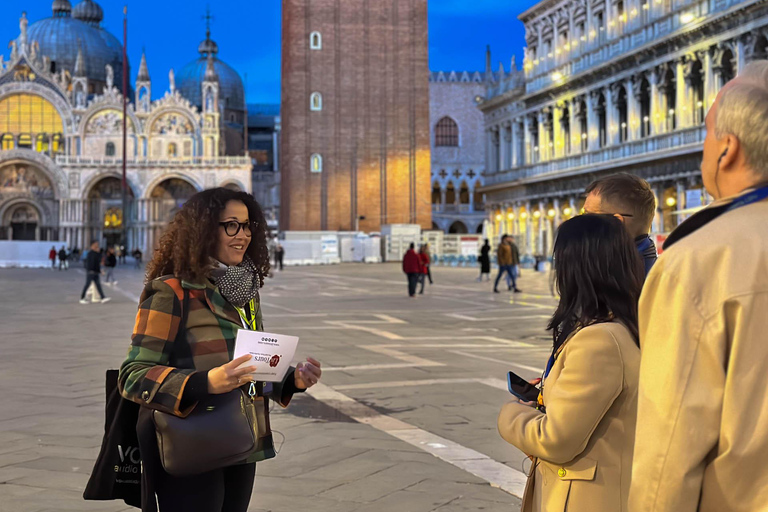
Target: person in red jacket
[[424, 261], [412, 268], [52, 257]]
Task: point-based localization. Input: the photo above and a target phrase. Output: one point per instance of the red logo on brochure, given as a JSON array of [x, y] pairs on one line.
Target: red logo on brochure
[[274, 361]]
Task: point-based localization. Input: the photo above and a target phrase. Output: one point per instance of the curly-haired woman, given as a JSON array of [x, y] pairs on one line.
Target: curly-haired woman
[[213, 257]]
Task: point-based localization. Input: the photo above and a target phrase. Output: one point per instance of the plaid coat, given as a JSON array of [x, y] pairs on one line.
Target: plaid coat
[[164, 373]]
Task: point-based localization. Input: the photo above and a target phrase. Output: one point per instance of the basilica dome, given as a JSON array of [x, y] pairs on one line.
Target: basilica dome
[[190, 79], [61, 35]]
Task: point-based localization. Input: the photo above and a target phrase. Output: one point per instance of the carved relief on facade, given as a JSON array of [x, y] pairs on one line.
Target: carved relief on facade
[[172, 124], [22, 179], [107, 122]]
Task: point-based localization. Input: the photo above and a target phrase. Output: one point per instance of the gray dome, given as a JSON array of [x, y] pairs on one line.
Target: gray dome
[[61, 7], [89, 12], [231, 92], [59, 38]]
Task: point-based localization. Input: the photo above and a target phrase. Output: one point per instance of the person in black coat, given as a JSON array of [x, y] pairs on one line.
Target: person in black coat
[[93, 271], [485, 261]]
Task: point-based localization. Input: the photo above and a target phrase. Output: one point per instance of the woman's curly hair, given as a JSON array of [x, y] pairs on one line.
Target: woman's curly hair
[[188, 244]]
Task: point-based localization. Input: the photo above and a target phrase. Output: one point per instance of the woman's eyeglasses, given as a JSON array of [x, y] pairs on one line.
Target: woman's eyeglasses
[[232, 227]]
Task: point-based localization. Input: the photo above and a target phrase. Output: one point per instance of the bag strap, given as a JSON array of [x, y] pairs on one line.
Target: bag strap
[[182, 331]]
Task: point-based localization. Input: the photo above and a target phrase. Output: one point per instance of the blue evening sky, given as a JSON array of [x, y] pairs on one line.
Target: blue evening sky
[[248, 35]]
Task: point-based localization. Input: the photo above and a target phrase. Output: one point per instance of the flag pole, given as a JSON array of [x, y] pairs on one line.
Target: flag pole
[[124, 243]]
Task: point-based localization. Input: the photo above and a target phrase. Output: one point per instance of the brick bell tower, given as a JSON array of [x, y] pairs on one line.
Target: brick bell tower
[[355, 114]]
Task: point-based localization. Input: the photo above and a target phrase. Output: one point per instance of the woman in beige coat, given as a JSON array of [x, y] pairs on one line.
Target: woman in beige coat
[[580, 434]]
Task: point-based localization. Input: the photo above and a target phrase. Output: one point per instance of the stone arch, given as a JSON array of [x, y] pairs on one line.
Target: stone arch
[[41, 162], [458, 227], [61, 106], [94, 180], [168, 176], [96, 109], [450, 193], [436, 194], [10, 206], [233, 184], [156, 114]]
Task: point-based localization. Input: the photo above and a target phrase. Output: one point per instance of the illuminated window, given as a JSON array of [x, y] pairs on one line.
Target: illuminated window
[[315, 41], [8, 141], [446, 132], [42, 144], [26, 113], [316, 163], [316, 101], [172, 150], [25, 141], [110, 149]]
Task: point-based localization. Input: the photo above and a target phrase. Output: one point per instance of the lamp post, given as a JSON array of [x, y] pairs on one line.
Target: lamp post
[[124, 235]]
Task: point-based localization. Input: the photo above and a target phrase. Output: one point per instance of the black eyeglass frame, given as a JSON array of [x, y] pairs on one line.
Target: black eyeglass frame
[[249, 226]]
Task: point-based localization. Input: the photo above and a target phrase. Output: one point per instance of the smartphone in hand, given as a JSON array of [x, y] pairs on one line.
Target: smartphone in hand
[[521, 388]]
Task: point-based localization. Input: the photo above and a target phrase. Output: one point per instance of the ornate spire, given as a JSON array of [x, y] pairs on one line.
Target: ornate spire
[[61, 8], [143, 70], [209, 45], [79, 63], [210, 70]]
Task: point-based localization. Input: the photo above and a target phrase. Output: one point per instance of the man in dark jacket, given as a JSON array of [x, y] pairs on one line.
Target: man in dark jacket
[[631, 200], [412, 268], [93, 271]]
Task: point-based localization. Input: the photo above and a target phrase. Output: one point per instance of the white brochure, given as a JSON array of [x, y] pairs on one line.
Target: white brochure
[[270, 353]]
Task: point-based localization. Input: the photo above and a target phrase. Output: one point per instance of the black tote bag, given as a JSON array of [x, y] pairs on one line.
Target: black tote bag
[[117, 472]]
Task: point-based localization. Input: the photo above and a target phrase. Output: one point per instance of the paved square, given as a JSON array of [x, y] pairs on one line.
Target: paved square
[[405, 417]]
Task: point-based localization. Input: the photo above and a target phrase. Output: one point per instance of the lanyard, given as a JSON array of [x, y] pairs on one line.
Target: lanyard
[[252, 322], [753, 197]]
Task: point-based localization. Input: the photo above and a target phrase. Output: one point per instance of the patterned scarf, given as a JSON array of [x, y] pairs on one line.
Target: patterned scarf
[[238, 284]]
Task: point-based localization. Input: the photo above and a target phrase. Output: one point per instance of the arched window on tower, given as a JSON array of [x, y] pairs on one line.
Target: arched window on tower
[[446, 133], [110, 149], [209, 104], [315, 41], [144, 99], [316, 102], [316, 163]]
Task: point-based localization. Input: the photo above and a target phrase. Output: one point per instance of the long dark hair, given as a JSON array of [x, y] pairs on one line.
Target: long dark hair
[[189, 242], [599, 275]]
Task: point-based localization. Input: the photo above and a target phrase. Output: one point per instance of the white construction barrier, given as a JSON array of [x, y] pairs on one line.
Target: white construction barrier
[[27, 254]]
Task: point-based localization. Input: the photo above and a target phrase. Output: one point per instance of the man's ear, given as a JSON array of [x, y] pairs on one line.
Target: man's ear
[[620, 217], [731, 153]]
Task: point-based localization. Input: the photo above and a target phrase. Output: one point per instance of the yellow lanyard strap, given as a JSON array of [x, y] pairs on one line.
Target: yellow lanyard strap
[[252, 323]]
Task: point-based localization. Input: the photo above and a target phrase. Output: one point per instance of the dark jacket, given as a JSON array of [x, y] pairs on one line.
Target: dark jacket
[[647, 250], [515, 253], [93, 262], [485, 259], [411, 264], [110, 260]]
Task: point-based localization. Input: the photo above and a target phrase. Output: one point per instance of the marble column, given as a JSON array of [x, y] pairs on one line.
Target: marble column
[[575, 127], [612, 118], [682, 111], [506, 142], [558, 132], [705, 56], [593, 121], [542, 142], [527, 154]]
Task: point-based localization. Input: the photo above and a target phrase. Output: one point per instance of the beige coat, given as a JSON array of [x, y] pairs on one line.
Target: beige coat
[[584, 441], [702, 437]]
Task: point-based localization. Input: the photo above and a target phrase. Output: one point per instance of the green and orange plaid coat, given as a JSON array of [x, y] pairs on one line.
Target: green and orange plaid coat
[[169, 374]]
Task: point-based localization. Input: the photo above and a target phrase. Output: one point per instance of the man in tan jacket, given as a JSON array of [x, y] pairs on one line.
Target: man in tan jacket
[[702, 426]]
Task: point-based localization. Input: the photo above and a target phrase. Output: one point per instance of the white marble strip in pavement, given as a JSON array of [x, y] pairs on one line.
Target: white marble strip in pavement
[[494, 472], [496, 360], [407, 383], [495, 318], [386, 366]]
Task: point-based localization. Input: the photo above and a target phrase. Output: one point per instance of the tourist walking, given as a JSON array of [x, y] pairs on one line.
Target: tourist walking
[[63, 258], [425, 247], [485, 261], [93, 272], [580, 430], [424, 262], [505, 260], [202, 287], [631, 200], [52, 257], [515, 273], [702, 435], [110, 262], [279, 254], [412, 269], [137, 255]]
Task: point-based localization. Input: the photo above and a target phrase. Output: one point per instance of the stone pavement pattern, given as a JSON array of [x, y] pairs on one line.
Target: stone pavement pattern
[[405, 419]]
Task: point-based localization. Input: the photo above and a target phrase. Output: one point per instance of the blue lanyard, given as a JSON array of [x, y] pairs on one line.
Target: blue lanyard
[[753, 197]]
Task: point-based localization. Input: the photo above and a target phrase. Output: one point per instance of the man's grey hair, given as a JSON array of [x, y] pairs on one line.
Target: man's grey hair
[[743, 113]]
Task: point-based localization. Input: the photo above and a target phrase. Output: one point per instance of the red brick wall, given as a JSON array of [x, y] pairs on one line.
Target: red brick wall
[[373, 131]]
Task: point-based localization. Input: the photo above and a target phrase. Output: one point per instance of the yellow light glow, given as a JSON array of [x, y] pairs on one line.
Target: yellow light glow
[[699, 104], [550, 213], [510, 215], [623, 125], [537, 214], [557, 76], [498, 216], [549, 55], [611, 24], [646, 7], [671, 201], [567, 211], [536, 62], [634, 12], [686, 18], [624, 17], [592, 33], [646, 119], [582, 211], [524, 215], [671, 111], [584, 38], [557, 52], [568, 46], [583, 135]]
